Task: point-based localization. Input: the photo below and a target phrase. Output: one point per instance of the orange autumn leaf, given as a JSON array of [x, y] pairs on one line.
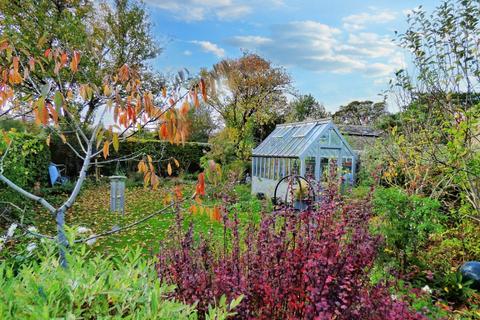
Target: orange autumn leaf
[[15, 61], [200, 189], [216, 214], [164, 92], [203, 88], [75, 61], [106, 149], [47, 53], [185, 107], [193, 209], [178, 193], [124, 73], [169, 169], [163, 131], [154, 181], [63, 59]]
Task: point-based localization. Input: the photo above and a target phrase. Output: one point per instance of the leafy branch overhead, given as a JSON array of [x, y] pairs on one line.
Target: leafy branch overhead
[[89, 103]]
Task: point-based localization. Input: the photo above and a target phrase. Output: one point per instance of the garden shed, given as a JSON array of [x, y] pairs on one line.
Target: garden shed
[[305, 147]]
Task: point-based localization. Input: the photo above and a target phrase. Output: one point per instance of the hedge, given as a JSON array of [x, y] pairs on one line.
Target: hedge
[[26, 164], [188, 155]]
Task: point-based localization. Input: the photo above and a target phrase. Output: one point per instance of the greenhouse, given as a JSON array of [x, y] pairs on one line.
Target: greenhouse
[[307, 148]]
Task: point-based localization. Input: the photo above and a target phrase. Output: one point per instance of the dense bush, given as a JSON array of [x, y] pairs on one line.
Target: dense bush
[[406, 222], [306, 265], [91, 288], [27, 160], [26, 164], [450, 249], [94, 287]]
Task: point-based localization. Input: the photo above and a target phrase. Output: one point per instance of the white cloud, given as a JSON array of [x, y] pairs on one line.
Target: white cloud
[[198, 10], [233, 12], [210, 47], [315, 46], [187, 52], [251, 40], [359, 21], [369, 44]]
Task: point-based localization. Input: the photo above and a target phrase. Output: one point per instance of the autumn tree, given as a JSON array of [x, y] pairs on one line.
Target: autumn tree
[[246, 92], [360, 113], [109, 35], [434, 148], [306, 107], [52, 82], [201, 124]]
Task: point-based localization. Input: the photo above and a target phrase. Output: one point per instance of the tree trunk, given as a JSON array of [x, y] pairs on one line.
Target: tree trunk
[[62, 238]]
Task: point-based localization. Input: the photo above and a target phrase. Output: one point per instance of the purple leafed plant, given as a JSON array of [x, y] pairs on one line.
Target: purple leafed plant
[[309, 265]]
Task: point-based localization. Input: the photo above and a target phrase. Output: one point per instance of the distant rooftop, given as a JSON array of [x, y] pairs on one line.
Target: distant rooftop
[[359, 130], [307, 122]]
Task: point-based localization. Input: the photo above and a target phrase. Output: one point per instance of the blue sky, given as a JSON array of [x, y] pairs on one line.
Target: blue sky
[[338, 51]]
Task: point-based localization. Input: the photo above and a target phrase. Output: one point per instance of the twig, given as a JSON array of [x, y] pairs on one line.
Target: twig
[[21, 225]]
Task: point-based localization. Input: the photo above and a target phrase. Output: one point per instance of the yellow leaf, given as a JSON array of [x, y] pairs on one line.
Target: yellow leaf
[[100, 135], [48, 141], [146, 179], [142, 167], [176, 162], [64, 139], [116, 143], [169, 169], [106, 90]]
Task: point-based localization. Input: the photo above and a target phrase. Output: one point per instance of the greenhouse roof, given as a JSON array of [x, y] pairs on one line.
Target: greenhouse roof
[[291, 139]]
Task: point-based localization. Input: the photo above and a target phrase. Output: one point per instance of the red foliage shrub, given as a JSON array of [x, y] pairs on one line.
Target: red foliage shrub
[[310, 265]]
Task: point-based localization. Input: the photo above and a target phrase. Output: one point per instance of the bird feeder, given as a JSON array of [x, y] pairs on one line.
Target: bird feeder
[[117, 194]]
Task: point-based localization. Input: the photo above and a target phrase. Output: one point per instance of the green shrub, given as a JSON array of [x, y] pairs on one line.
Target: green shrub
[[26, 164], [27, 160], [406, 222], [446, 252], [93, 287]]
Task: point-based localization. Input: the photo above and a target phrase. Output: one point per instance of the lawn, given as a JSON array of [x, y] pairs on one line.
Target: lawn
[[92, 211]]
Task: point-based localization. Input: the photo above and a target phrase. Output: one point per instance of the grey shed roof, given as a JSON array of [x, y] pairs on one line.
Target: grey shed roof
[[291, 139], [356, 130]]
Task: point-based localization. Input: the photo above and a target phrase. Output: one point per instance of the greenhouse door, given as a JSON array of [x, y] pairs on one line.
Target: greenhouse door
[[310, 167], [324, 169]]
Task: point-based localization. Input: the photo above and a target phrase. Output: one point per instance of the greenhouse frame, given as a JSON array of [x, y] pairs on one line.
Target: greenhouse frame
[[304, 147]]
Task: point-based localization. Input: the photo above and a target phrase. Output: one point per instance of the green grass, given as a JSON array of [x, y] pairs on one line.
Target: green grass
[[91, 210]]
